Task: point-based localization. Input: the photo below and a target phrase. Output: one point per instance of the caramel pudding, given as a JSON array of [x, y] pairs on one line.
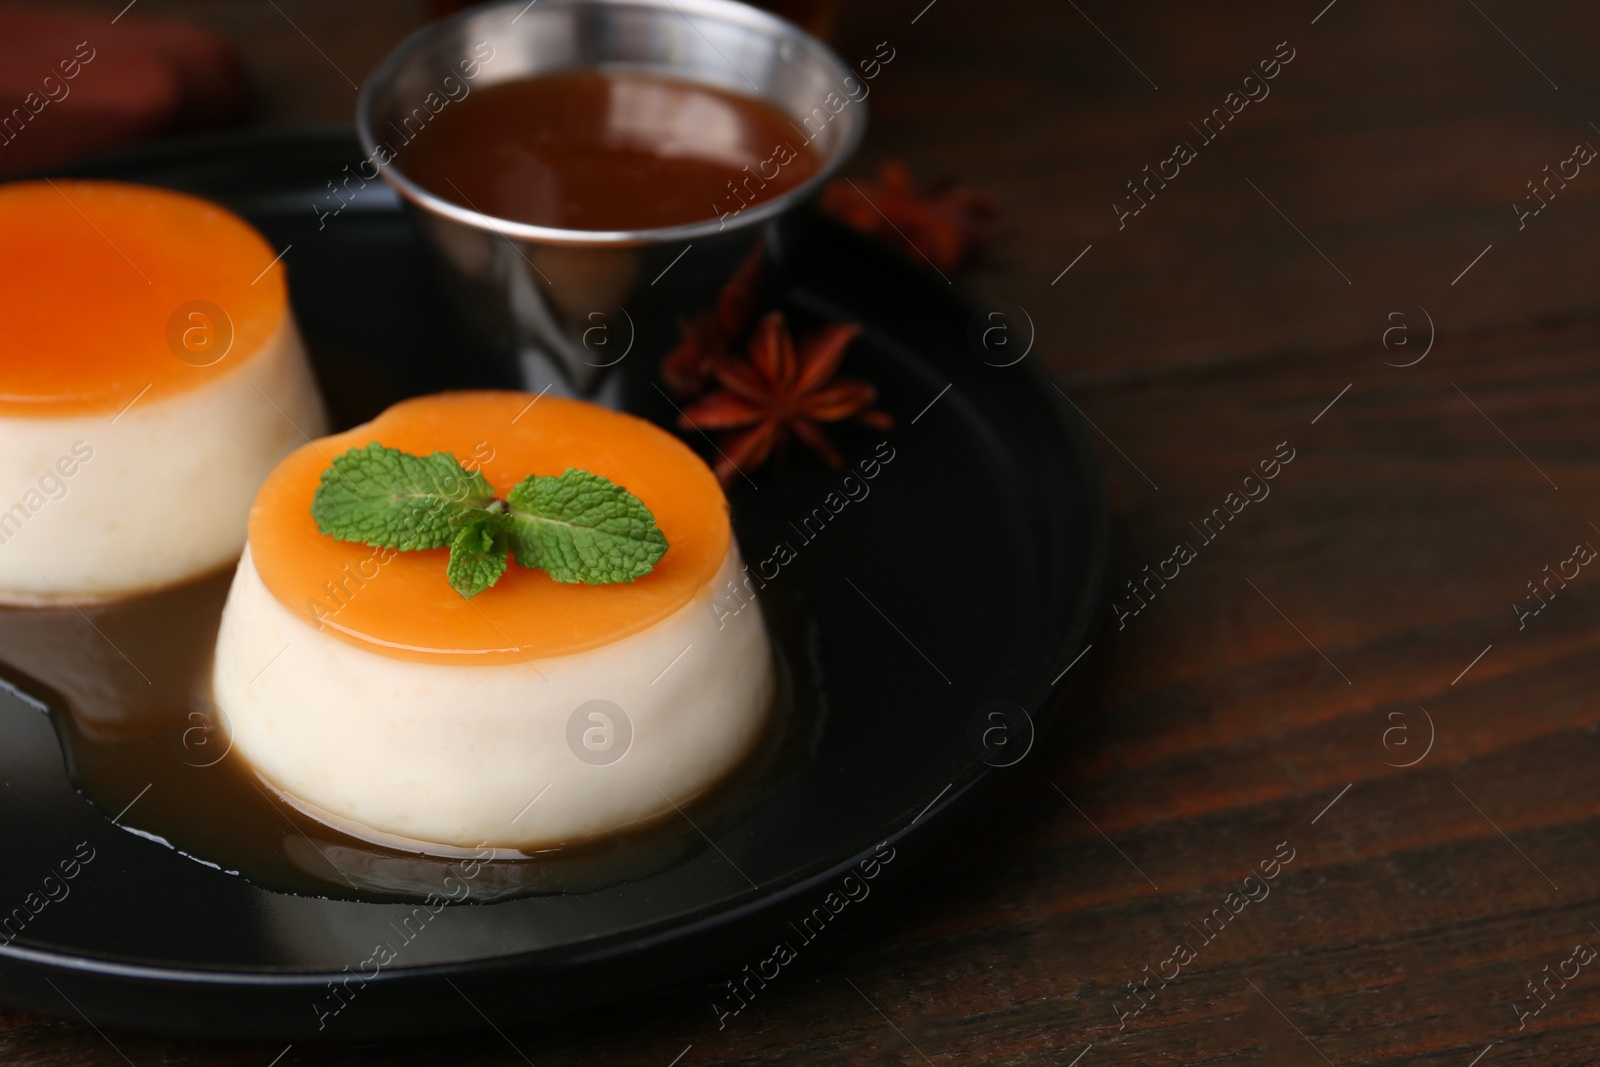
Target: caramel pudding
[[152, 377]]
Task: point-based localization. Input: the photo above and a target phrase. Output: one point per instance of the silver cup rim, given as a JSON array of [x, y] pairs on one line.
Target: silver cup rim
[[727, 10]]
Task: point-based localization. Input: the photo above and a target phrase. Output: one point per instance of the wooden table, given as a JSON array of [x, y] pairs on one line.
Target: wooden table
[[1340, 673]]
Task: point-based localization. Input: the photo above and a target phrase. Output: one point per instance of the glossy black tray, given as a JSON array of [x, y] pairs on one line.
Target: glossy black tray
[[937, 616]]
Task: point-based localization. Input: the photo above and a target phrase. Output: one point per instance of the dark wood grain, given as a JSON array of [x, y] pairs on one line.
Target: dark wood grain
[[1293, 656]]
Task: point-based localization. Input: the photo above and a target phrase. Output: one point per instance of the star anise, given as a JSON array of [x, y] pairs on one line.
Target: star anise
[[710, 336], [783, 390], [946, 225]]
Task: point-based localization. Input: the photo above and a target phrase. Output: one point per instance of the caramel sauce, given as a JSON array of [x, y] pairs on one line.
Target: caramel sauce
[[587, 150], [126, 684]]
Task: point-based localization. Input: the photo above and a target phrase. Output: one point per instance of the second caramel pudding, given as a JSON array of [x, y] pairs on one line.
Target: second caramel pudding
[[372, 695], [150, 376]]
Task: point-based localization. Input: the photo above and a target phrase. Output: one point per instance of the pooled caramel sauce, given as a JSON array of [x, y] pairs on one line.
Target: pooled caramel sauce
[[591, 150], [126, 684]]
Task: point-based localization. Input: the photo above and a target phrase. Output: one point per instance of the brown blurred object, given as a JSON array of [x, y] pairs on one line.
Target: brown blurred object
[[73, 85], [816, 16], [945, 225]]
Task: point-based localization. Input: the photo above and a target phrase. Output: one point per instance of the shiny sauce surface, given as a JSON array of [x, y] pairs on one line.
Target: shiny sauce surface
[[127, 687], [590, 150]]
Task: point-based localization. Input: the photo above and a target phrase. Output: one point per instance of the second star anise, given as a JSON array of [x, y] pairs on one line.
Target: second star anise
[[945, 226], [710, 336]]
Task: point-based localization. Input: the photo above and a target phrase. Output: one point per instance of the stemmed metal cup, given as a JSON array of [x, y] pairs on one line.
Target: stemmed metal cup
[[560, 305]]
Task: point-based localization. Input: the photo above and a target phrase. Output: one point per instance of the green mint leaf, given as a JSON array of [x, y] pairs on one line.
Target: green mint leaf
[[580, 527], [478, 551], [391, 499]]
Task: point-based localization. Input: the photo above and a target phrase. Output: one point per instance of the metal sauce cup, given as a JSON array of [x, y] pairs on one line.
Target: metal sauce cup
[[562, 305]]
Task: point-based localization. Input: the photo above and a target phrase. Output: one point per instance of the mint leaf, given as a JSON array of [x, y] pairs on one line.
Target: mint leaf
[[580, 527], [391, 499], [478, 551]]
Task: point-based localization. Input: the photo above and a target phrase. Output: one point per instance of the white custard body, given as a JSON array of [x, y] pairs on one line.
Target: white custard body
[[108, 504], [466, 755]]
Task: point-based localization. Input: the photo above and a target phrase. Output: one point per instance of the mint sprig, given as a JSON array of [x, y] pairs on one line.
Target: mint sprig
[[576, 527]]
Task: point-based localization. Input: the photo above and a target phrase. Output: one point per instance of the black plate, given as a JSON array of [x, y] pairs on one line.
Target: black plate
[[938, 615]]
